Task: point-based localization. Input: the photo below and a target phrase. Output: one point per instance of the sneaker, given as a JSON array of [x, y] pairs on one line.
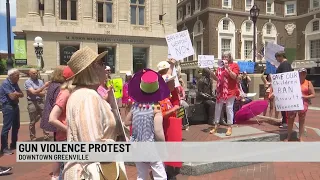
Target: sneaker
[[7, 152], [4, 170]]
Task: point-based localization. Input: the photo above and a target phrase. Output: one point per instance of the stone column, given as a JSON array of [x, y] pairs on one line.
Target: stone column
[[49, 7], [123, 12], [167, 5], [33, 7], [156, 10], [87, 9], [69, 10]]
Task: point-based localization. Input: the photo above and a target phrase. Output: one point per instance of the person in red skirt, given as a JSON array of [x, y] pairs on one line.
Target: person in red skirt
[[172, 124]]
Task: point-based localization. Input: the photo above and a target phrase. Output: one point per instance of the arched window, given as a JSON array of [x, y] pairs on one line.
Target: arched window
[[226, 36], [247, 40], [269, 33], [312, 39], [198, 39]]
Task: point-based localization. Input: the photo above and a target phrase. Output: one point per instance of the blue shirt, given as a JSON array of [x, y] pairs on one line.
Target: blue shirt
[[34, 84], [6, 88]]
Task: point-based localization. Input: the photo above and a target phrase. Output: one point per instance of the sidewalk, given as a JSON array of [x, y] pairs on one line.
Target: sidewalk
[[263, 171]]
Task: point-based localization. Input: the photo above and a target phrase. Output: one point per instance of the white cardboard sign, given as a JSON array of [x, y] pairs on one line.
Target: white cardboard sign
[[287, 91], [271, 50], [179, 45], [206, 61]]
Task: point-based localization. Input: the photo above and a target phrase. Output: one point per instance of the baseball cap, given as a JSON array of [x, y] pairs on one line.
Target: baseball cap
[[302, 70], [163, 65], [67, 73], [107, 68], [128, 73]]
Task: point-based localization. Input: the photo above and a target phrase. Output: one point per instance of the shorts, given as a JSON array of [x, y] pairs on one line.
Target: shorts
[[301, 114]]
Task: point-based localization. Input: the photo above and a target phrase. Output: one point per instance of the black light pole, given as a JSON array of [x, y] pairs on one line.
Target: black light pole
[[9, 61], [254, 14]]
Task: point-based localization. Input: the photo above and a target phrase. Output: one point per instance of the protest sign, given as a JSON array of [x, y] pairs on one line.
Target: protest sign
[[116, 112], [117, 86], [246, 66], [205, 61], [287, 91], [270, 69], [271, 50], [179, 45], [176, 80]]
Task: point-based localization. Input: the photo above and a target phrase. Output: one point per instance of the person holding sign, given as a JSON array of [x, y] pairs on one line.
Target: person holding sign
[[308, 93], [126, 100], [227, 90], [284, 66]]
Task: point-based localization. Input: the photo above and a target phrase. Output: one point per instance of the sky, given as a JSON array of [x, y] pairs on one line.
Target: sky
[[3, 24]]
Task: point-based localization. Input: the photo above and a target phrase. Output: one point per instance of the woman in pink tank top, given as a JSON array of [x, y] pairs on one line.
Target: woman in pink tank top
[[308, 93]]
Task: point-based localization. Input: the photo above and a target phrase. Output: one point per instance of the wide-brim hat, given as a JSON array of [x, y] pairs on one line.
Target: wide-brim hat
[[148, 86], [83, 58]]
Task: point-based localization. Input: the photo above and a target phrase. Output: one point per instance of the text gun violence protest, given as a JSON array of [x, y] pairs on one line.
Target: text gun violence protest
[[168, 152]]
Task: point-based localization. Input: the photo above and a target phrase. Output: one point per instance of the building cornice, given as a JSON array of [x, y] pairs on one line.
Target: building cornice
[[243, 13]]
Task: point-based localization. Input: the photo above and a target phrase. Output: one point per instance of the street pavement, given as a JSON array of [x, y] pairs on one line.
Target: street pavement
[[262, 171]]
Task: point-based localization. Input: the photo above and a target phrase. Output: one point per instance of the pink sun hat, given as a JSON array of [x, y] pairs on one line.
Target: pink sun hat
[[148, 86]]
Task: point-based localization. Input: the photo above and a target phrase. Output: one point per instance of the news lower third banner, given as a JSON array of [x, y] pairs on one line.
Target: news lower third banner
[[169, 152]]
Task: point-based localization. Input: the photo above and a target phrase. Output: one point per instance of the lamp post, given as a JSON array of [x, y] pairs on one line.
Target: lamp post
[[38, 49], [9, 61], [254, 14]]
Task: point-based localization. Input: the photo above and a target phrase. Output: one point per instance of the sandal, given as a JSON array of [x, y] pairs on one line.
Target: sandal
[[214, 130], [229, 131]]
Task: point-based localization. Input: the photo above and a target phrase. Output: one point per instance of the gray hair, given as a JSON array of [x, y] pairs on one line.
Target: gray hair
[[13, 71], [227, 53]]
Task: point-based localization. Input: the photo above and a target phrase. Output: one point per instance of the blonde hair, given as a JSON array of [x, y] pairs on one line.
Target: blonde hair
[[88, 77], [57, 75], [68, 85]]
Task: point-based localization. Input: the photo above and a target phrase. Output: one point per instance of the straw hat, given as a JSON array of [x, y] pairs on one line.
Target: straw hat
[[83, 58]]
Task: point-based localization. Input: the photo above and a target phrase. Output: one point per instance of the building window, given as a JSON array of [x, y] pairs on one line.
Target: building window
[[270, 6], [268, 29], [226, 3], [290, 8], [197, 5], [198, 48], [110, 58], [66, 51], [248, 49], [68, 9], [315, 48], [225, 45], [225, 25], [248, 26], [104, 11], [180, 14], [315, 25], [314, 4], [188, 9], [139, 58], [137, 12], [249, 4]]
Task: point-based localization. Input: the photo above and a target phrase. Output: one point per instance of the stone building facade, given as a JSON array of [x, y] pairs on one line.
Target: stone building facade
[[224, 25], [132, 31]]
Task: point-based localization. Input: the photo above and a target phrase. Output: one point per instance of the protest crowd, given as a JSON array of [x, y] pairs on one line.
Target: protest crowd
[[79, 104]]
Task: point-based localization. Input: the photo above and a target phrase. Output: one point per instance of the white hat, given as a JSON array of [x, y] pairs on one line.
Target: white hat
[[107, 68], [128, 73], [163, 65], [168, 77]]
